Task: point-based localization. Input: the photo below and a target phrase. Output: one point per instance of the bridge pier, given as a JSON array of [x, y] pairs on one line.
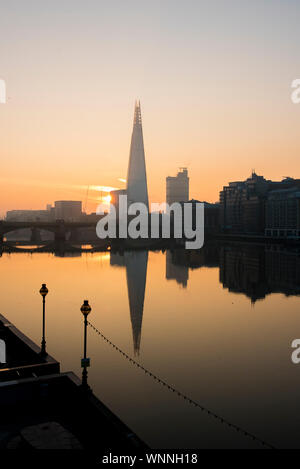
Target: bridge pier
[[35, 235], [60, 232], [74, 237], [1, 232]]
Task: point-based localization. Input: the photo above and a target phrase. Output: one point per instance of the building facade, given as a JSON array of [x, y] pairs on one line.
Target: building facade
[[242, 205], [115, 198], [68, 210], [245, 207], [283, 213], [177, 188], [28, 215]]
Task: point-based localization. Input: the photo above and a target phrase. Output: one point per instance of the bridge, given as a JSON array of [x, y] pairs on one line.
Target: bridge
[[60, 228]]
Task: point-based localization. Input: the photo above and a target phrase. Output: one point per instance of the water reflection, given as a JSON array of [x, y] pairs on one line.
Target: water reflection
[[249, 269], [257, 271], [189, 315], [136, 272], [175, 270], [253, 270]]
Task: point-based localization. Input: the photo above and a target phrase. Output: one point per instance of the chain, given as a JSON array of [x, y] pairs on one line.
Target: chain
[[180, 394]]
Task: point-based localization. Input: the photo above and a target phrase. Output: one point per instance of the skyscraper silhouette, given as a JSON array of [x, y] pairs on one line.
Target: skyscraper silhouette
[[137, 190]]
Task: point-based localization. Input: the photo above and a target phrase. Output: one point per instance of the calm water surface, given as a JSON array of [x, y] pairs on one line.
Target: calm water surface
[[216, 324]]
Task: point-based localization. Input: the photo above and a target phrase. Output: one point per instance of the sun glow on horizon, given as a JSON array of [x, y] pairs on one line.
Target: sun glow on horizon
[[106, 199], [103, 188]]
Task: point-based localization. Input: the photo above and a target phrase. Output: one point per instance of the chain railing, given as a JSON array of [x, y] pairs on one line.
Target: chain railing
[[183, 396]]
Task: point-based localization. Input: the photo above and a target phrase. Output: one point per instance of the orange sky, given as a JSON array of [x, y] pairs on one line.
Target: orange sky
[[214, 90]]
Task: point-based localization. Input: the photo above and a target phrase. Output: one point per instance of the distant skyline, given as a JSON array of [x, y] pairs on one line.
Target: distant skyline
[[214, 79]]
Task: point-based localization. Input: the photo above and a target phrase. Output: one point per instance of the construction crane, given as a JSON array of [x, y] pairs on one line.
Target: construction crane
[[86, 198]]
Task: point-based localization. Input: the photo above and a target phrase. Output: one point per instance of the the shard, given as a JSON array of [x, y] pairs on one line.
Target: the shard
[[137, 190]]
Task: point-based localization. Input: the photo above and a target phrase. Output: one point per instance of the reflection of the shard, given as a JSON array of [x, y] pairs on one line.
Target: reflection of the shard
[[136, 273], [252, 270]]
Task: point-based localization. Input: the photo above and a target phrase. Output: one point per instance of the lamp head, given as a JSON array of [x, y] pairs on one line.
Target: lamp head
[[85, 308], [44, 290]]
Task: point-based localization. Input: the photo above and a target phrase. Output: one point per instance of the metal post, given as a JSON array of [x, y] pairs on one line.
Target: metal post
[[85, 362], [84, 371], [43, 348]]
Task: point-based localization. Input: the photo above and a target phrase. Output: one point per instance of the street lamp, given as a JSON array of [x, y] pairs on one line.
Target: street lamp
[[43, 292], [85, 362]]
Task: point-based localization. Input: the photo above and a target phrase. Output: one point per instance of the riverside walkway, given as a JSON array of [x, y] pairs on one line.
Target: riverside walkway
[[42, 408]]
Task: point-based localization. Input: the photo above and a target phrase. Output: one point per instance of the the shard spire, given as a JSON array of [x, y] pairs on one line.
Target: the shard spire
[[137, 190]]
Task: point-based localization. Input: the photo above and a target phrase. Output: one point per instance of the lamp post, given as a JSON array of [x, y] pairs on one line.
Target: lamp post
[[85, 362], [43, 292]]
